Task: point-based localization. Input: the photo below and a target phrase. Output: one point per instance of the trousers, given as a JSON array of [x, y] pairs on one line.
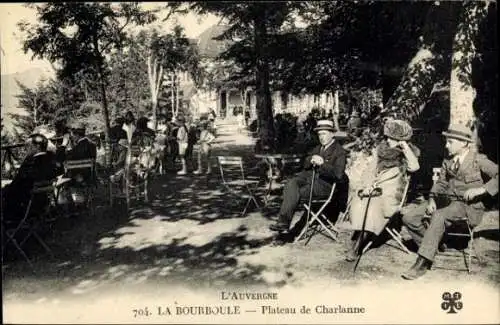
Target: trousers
[[429, 237], [300, 187]]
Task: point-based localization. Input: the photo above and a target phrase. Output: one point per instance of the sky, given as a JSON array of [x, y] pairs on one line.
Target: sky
[[14, 60]]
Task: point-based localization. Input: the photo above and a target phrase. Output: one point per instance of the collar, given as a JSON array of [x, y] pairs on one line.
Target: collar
[[40, 153], [81, 139], [328, 144], [460, 157]]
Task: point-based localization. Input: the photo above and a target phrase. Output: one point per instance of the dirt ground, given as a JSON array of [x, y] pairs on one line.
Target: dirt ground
[[191, 235]]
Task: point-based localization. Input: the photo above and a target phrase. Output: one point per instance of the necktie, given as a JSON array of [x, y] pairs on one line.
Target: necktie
[[456, 165], [322, 150]]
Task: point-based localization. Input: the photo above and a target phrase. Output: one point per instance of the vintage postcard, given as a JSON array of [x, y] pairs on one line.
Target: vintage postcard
[[245, 162]]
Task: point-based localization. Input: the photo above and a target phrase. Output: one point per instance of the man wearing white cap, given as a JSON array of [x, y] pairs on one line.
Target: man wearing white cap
[[329, 160], [458, 193]]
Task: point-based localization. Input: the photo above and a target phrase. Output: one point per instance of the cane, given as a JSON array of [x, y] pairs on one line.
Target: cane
[[310, 199], [360, 248]]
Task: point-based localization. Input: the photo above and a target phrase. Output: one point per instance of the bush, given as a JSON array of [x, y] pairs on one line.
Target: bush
[[286, 131]]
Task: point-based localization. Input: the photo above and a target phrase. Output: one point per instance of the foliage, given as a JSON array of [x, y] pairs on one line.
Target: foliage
[[77, 37], [47, 102], [485, 81], [286, 131], [165, 56], [251, 25], [98, 28], [127, 87]]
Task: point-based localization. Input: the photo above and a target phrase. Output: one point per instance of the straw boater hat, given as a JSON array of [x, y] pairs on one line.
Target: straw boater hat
[[44, 130], [398, 130], [77, 125], [459, 132], [325, 125]]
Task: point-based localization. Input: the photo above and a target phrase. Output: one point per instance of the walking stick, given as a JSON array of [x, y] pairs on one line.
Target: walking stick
[[310, 199], [360, 248]]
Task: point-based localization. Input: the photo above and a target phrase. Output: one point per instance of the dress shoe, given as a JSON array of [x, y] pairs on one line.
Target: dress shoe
[[351, 255], [282, 239], [279, 226], [418, 269], [442, 247]]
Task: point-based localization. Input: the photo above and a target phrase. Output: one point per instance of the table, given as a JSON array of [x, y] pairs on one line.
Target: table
[[60, 181], [276, 162], [6, 182]]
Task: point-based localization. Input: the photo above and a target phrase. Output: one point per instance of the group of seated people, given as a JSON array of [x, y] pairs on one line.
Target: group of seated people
[[44, 162], [47, 151], [458, 193]]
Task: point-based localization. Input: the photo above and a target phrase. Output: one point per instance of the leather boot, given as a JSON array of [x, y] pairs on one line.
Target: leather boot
[[352, 253], [418, 269]]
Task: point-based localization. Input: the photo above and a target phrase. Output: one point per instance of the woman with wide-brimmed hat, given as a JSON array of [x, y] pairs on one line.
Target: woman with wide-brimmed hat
[[395, 156]]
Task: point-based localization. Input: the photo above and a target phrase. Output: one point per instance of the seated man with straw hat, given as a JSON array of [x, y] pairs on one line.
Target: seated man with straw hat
[[457, 194], [329, 160]]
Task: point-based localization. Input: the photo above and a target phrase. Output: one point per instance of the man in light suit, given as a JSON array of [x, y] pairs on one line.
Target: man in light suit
[[457, 194], [329, 160]]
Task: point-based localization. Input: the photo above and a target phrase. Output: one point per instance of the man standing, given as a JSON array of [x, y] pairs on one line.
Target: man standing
[[329, 160], [456, 195]]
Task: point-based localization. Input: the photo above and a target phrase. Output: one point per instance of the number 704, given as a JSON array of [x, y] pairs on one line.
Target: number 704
[[138, 312]]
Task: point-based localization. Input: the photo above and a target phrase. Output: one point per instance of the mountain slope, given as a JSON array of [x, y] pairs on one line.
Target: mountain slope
[[10, 89]]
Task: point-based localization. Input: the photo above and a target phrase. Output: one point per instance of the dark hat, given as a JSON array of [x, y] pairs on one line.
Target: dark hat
[[398, 130], [180, 119], [325, 125], [459, 132], [119, 120]]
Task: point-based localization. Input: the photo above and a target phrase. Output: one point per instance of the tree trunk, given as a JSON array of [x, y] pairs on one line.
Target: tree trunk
[[105, 111], [462, 94], [155, 76], [263, 99], [336, 109], [177, 85], [427, 66], [412, 93], [172, 93]]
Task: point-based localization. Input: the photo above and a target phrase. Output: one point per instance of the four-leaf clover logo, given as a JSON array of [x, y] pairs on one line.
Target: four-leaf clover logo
[[452, 303]]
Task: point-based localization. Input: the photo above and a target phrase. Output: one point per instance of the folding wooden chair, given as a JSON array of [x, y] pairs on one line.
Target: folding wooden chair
[[41, 201], [137, 172], [462, 228], [389, 228], [285, 165], [89, 186], [232, 166], [318, 219]]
